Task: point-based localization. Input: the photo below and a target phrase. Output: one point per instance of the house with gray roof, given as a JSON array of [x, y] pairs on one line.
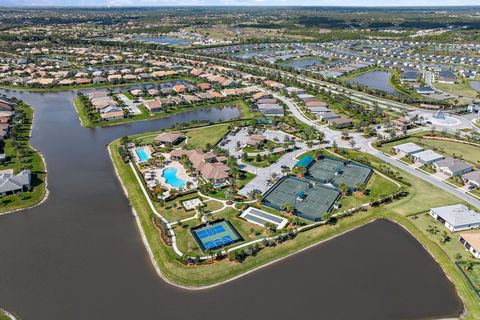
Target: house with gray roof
[[472, 178], [427, 157], [456, 217], [452, 167], [11, 183]]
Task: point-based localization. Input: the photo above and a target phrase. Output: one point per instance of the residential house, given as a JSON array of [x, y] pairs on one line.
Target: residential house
[[472, 179], [471, 242], [11, 183], [153, 106], [427, 157], [407, 149], [456, 217], [452, 167], [340, 122]]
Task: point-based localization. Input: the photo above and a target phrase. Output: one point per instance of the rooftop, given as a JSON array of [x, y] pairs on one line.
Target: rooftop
[[457, 215]]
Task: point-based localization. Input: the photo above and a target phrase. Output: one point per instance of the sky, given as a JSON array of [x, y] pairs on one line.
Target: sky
[[139, 3]]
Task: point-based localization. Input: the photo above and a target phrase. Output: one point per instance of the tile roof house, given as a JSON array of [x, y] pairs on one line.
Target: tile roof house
[[452, 167], [209, 165], [153, 106], [456, 217], [11, 183], [471, 242], [255, 139], [168, 138]]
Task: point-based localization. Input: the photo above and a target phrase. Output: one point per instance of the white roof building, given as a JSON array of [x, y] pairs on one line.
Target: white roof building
[[427, 156], [407, 148], [456, 217]]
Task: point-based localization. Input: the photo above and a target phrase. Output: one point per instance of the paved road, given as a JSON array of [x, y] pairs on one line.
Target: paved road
[[428, 178], [364, 145], [361, 143]]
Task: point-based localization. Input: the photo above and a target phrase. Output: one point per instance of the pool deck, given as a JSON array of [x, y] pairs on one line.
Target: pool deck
[[181, 174], [147, 149]]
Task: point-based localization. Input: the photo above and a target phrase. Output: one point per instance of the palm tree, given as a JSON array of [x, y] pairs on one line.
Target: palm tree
[[288, 207], [343, 188]]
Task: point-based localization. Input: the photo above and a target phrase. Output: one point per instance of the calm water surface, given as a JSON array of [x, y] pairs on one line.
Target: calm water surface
[[375, 80], [80, 256], [475, 85], [304, 63]]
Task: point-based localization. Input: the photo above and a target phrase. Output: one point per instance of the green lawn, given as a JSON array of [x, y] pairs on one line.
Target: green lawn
[[82, 114], [421, 197], [462, 90], [263, 163], [23, 156], [3, 316], [203, 136], [448, 148], [377, 187], [473, 275]]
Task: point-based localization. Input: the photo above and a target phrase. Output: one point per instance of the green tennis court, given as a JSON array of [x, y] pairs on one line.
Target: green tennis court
[[338, 171], [310, 199]]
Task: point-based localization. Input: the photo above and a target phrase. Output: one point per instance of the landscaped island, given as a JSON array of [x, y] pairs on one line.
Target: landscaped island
[[193, 247], [22, 169]]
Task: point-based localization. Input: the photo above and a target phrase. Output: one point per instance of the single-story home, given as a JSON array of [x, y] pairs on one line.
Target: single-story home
[[456, 217], [426, 157], [447, 77], [452, 167], [11, 183], [472, 178], [471, 242], [168, 138], [271, 109], [327, 116], [407, 149], [340, 122], [153, 106]]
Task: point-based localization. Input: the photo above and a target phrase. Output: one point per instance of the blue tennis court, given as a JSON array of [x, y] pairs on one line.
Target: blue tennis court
[[215, 235]]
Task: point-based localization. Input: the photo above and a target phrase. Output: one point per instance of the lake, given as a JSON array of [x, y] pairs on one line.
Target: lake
[[375, 80], [79, 255], [169, 41], [304, 63], [475, 85]]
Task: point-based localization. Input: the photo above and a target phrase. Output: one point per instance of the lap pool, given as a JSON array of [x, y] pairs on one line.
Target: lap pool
[[142, 155], [170, 176]]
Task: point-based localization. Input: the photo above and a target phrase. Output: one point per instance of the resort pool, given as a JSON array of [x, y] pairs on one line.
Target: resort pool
[[142, 155], [170, 175]]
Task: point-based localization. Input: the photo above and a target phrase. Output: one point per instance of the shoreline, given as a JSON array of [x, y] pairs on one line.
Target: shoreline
[[217, 284], [46, 193]]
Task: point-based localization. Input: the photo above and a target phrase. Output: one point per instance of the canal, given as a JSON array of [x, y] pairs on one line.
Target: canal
[[79, 255]]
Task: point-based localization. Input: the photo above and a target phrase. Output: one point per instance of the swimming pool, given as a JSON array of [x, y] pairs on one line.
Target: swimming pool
[[142, 155], [170, 176]]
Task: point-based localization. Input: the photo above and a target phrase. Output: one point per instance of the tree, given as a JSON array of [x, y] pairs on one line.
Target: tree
[[343, 189], [360, 187], [258, 198], [318, 154], [288, 207]]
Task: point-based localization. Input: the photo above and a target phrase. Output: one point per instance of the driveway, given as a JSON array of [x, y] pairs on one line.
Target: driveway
[[131, 106]]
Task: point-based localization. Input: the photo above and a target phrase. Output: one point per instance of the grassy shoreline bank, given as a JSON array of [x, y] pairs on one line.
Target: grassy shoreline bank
[[203, 276], [31, 159]]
